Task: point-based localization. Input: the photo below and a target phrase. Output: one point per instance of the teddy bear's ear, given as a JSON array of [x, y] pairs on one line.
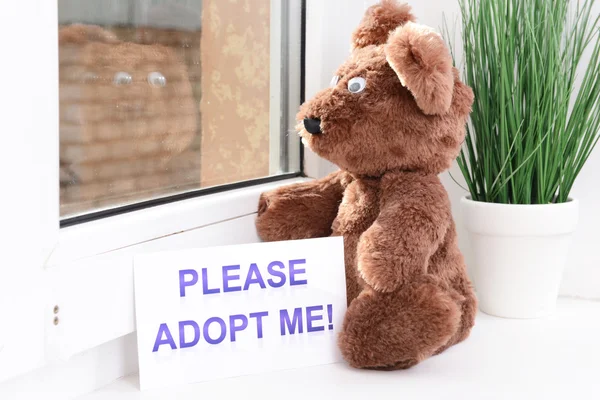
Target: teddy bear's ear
[[423, 63], [379, 21], [81, 34]]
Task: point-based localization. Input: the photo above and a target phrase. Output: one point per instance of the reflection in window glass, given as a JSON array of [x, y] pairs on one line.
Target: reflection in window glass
[[159, 97]]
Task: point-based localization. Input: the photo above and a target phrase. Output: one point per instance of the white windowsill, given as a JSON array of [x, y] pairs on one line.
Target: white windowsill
[[112, 233], [552, 358]]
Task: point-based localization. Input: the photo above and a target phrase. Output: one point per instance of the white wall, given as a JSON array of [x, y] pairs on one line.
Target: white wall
[[582, 276], [336, 19]]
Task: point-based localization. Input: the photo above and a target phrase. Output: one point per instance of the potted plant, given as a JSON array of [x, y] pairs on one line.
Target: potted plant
[[535, 121]]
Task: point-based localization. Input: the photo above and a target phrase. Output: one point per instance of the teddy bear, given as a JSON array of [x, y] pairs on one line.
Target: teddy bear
[[127, 112], [393, 119]]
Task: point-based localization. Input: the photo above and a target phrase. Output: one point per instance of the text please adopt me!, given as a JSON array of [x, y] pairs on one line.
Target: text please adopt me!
[[275, 275]]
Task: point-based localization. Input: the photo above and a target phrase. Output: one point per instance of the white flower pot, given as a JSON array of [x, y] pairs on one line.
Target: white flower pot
[[519, 253]]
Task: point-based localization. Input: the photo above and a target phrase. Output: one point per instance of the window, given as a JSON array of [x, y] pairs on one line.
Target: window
[[168, 97], [86, 268]]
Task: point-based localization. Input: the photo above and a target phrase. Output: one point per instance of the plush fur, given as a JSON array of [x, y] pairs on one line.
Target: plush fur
[[379, 21], [408, 292], [423, 63]]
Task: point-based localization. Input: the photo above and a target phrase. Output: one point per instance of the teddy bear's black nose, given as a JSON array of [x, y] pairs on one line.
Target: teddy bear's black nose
[[312, 125]]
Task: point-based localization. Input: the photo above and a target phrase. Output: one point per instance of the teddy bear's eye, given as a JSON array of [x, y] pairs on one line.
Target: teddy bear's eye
[[122, 78], [157, 79], [334, 81], [357, 85]]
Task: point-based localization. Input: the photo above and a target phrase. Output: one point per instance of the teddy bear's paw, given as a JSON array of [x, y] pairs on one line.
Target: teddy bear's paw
[[285, 214], [380, 270], [272, 218], [377, 266], [399, 329], [263, 203], [376, 273]]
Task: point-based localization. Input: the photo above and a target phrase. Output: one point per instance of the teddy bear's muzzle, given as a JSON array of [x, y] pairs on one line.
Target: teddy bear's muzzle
[[312, 125]]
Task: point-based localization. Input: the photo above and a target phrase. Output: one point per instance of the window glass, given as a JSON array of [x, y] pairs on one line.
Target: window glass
[[159, 97]]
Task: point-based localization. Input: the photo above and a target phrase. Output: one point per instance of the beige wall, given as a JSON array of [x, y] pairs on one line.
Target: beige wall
[[235, 91]]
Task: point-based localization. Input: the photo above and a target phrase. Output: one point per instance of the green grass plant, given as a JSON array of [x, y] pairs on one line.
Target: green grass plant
[[536, 116]]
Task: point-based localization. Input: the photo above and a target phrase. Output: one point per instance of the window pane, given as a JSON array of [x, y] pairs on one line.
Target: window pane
[[159, 97]]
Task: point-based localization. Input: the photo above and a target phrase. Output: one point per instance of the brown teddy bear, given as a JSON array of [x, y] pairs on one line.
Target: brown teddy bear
[[393, 120]]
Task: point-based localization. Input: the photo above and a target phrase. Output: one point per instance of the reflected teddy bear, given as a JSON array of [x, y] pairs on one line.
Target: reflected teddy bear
[[126, 109]]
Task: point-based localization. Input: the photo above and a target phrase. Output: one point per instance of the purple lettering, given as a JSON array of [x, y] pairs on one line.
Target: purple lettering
[[205, 288], [182, 343], [254, 276], [279, 274], [183, 283], [227, 278], [164, 329], [310, 318], [259, 316], [236, 328], [285, 322], [294, 271], [221, 335]]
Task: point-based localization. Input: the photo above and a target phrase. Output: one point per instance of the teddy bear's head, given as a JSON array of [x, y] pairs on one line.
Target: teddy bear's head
[[397, 103]]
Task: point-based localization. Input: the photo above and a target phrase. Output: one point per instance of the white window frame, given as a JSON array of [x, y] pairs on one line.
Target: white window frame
[[29, 208], [282, 111], [63, 291]]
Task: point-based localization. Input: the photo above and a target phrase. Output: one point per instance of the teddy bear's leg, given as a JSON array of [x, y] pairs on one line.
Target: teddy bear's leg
[[468, 311], [302, 210], [396, 330]]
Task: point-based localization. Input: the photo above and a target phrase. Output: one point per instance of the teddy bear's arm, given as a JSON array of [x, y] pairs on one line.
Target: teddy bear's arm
[[302, 210], [413, 219]]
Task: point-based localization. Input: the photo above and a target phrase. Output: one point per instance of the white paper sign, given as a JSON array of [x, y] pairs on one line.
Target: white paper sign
[[218, 312]]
